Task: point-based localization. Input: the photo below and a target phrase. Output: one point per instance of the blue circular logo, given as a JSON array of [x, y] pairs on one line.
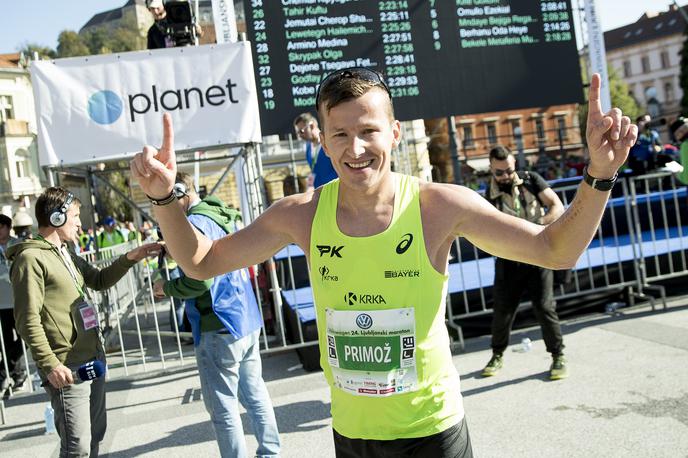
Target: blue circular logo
[[364, 321], [105, 107]]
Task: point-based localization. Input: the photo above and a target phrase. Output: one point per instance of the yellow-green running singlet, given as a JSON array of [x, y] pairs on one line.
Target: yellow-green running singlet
[[380, 308]]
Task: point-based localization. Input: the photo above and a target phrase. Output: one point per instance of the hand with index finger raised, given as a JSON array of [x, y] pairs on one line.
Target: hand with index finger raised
[[154, 169], [610, 135]]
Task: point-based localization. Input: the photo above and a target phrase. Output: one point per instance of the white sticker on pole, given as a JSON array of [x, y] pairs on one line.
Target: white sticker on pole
[[225, 21], [598, 56]]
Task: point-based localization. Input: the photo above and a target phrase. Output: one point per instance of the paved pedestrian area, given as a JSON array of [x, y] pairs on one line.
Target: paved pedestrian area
[[627, 396]]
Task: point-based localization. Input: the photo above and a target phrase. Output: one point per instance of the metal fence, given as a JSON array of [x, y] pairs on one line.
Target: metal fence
[[640, 241]]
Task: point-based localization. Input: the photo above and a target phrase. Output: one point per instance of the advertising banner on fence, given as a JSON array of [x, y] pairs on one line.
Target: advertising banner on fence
[[99, 108]]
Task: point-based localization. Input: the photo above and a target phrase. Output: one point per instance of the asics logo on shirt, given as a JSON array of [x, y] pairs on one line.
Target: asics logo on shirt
[[405, 243]]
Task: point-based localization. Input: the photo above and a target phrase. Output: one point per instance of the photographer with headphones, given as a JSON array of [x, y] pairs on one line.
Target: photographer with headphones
[[58, 320]]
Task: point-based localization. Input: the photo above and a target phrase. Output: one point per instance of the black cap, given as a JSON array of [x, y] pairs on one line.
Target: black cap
[[675, 126], [5, 220]]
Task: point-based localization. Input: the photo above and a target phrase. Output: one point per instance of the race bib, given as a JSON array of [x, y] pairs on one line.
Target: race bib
[[372, 352], [88, 315]]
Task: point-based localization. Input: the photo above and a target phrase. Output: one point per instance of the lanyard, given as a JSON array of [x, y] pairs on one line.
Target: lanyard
[[69, 265]]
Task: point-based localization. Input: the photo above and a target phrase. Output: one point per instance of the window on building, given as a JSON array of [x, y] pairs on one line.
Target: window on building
[[669, 92], [627, 69], [515, 124], [22, 163], [645, 62], [491, 133], [540, 129], [561, 127], [664, 56], [6, 111], [468, 140]]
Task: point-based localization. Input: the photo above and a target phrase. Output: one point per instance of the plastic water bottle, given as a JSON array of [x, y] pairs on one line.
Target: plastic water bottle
[[612, 307], [36, 381], [526, 345], [49, 415]]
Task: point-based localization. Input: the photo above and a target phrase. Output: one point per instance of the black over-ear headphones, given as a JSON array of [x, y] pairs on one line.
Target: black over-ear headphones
[[58, 216]]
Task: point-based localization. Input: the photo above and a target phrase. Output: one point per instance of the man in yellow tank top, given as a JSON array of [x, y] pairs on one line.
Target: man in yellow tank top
[[377, 244]]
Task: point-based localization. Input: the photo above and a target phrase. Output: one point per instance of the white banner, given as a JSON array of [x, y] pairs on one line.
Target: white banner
[[106, 107], [225, 21], [597, 53]]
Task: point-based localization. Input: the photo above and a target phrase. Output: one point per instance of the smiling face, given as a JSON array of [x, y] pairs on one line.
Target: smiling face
[[358, 136], [70, 229]]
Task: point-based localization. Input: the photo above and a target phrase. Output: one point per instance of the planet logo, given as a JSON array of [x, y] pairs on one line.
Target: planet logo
[[105, 107]]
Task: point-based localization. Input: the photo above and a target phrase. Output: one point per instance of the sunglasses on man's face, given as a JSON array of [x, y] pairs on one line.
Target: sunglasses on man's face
[[361, 73], [500, 172]]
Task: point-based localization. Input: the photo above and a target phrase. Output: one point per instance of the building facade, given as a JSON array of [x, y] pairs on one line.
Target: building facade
[[548, 136], [647, 56], [21, 178]]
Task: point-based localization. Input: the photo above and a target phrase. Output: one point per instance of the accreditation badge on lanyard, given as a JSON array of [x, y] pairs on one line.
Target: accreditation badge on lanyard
[[88, 313]]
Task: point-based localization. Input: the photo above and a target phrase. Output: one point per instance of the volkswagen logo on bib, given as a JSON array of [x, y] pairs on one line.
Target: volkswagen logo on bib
[[364, 321]]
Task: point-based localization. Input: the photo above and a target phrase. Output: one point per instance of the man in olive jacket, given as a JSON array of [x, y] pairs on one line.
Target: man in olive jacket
[[58, 321]]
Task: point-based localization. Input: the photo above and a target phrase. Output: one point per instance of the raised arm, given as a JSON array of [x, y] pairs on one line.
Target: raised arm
[[200, 257], [560, 244]]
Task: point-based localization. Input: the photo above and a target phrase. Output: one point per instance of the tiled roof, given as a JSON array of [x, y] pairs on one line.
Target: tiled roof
[[648, 27], [10, 60]]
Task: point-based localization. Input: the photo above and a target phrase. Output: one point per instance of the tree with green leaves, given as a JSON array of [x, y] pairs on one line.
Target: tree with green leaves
[[44, 52], [126, 36], [71, 44]]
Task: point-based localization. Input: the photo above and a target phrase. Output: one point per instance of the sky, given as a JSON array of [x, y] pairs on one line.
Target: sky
[[41, 21]]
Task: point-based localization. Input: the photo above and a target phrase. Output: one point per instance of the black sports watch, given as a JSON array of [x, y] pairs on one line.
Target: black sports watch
[[596, 183]]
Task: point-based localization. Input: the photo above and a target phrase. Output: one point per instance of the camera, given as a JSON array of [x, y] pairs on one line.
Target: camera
[[180, 24]]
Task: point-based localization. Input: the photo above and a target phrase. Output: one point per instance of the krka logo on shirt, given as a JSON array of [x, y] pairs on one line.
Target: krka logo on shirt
[[325, 274]]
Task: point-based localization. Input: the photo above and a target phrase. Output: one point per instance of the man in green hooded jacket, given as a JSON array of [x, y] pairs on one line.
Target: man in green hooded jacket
[[58, 321]]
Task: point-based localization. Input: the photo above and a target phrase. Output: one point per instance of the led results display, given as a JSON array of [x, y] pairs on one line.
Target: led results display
[[439, 57]]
